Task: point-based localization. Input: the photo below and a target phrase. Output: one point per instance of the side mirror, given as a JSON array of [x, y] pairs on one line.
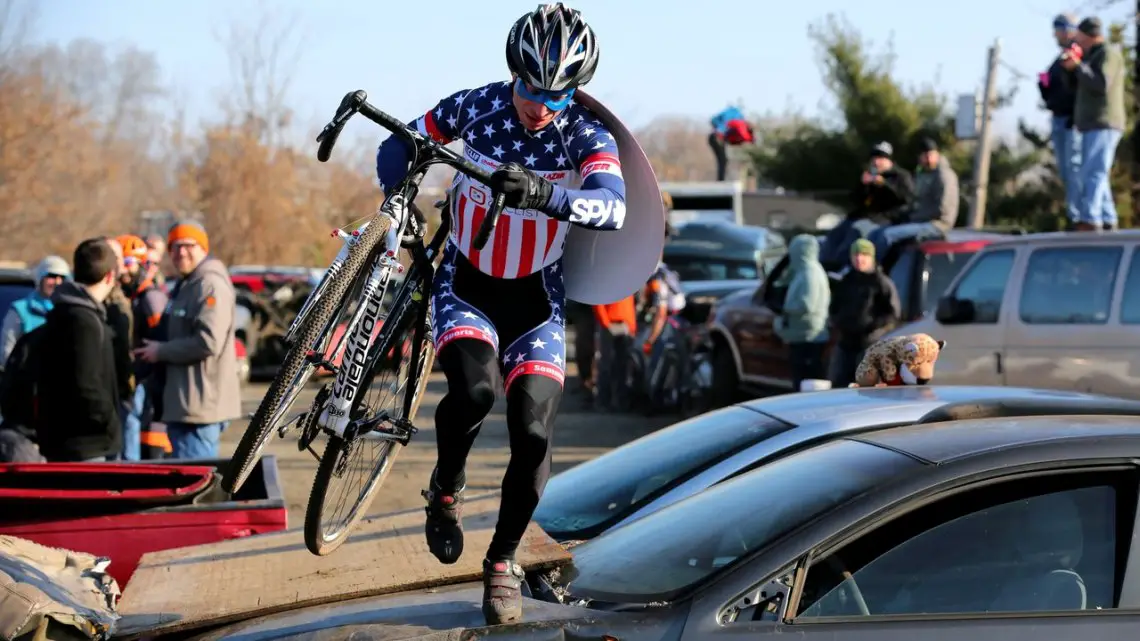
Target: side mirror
[[952, 311]]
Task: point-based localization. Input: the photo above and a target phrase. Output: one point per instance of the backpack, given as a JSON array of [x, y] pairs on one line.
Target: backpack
[[18, 381], [738, 132]]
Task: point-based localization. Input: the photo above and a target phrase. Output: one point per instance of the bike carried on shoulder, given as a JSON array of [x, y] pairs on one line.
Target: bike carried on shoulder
[[394, 360]]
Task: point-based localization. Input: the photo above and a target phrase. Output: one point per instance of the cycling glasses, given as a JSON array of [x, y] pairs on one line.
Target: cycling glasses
[[554, 100]]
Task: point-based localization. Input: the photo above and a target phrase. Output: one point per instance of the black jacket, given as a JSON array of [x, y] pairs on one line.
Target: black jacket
[[1060, 96], [864, 307], [77, 387], [896, 192]]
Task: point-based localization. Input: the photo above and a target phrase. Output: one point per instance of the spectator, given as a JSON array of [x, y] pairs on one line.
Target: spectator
[[201, 392], [935, 210], [29, 312], [1060, 98], [617, 324], [864, 308], [157, 246], [148, 301], [729, 128], [585, 328], [77, 392], [121, 319], [883, 190], [803, 322], [1099, 115]]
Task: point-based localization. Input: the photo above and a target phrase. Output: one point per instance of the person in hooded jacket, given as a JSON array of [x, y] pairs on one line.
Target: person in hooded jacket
[[803, 322], [864, 308], [77, 389], [29, 312]]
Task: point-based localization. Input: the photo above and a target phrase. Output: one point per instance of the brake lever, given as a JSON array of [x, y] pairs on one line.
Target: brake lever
[[498, 202]]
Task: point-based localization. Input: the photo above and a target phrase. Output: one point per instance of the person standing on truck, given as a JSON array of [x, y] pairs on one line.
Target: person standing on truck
[[803, 322], [1099, 114], [729, 128], [864, 308], [1060, 98], [29, 312]]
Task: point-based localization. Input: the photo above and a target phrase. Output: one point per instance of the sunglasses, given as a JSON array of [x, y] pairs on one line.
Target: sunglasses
[[554, 100]]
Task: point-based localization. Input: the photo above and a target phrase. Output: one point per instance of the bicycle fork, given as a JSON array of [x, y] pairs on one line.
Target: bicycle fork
[[359, 335]]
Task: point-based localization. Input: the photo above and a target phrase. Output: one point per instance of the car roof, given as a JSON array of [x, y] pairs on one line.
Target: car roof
[[844, 409], [9, 275], [1069, 238], [944, 442]]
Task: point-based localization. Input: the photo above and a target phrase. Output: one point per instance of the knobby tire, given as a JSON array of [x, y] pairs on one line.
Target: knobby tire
[[248, 450], [315, 538]]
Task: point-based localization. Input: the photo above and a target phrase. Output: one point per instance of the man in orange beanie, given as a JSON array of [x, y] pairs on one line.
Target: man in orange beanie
[[201, 392]]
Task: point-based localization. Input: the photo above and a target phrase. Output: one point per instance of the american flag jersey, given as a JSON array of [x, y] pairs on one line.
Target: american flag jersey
[[576, 153], [540, 351]]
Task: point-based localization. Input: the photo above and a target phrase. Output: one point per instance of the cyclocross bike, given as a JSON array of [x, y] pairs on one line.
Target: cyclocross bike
[[387, 349]]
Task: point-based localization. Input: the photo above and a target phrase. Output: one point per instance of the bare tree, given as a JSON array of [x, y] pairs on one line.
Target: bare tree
[[17, 20]]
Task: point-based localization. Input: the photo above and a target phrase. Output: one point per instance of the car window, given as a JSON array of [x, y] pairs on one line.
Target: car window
[[984, 285], [599, 492], [10, 293], [712, 268], [1130, 303], [940, 272], [659, 556], [1069, 285], [1028, 547]]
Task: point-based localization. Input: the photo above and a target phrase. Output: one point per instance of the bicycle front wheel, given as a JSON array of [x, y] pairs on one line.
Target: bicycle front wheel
[[353, 469], [314, 335]]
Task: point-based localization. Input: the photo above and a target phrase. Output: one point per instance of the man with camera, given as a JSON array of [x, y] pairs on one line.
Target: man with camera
[[1060, 98], [883, 192]]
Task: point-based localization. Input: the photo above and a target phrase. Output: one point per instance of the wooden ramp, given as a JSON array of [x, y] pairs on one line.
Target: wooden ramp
[[207, 585]]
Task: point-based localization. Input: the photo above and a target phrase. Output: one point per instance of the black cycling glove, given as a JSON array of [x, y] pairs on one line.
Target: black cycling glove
[[523, 188]]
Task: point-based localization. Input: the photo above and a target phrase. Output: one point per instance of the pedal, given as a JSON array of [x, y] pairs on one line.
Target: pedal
[[401, 429]]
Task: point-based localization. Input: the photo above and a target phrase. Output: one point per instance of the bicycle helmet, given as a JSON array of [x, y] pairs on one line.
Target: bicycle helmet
[[552, 48]]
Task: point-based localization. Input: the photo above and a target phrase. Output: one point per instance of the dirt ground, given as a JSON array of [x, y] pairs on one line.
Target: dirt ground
[[579, 435]]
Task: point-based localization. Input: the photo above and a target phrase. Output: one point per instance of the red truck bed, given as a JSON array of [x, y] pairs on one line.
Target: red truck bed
[[124, 510]]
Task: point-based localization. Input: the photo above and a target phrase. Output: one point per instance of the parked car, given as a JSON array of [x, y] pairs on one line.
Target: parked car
[[748, 356], [14, 285], [1058, 311], [655, 471], [714, 258], [1001, 529]]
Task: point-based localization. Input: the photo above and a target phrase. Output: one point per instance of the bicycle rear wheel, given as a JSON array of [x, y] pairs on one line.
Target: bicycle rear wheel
[[361, 464], [294, 372]]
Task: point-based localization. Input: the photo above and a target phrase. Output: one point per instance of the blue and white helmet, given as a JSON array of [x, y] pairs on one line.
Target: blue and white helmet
[[552, 48]]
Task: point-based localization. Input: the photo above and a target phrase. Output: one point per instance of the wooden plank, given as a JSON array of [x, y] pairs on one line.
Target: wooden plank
[[207, 585]]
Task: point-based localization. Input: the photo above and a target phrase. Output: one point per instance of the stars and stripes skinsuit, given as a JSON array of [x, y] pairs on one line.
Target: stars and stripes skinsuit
[[497, 312]]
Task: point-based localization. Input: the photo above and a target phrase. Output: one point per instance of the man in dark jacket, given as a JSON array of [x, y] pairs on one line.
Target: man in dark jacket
[[77, 387], [864, 308], [1060, 98], [884, 190]]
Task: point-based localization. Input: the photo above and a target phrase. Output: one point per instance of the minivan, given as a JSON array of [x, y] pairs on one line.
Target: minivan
[[1053, 311]]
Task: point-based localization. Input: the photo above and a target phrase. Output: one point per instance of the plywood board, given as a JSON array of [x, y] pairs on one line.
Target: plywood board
[[207, 585]]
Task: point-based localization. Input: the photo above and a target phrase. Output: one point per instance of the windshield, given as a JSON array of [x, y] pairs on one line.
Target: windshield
[[664, 554], [940, 270], [592, 496], [712, 268]]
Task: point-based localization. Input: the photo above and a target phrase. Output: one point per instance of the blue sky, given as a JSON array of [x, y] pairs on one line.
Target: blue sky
[[658, 57]]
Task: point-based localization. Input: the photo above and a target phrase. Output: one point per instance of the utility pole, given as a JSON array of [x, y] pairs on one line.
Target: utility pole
[[1135, 121], [985, 148]]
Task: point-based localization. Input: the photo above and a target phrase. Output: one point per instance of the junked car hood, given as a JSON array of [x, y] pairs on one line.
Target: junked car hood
[[442, 613]]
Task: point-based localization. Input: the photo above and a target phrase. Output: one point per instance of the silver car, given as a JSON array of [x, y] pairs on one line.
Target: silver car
[[662, 468]]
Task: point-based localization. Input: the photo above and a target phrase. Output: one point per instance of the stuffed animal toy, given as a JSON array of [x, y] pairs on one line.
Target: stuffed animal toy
[[902, 360]]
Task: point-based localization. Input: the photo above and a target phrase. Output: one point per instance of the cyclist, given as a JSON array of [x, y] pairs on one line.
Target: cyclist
[[498, 312]]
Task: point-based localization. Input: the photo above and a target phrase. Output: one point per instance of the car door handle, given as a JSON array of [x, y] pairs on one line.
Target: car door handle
[[997, 361]]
